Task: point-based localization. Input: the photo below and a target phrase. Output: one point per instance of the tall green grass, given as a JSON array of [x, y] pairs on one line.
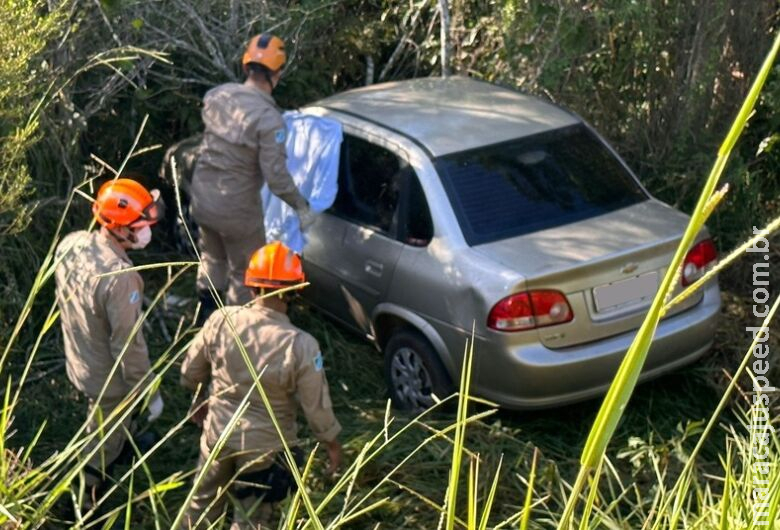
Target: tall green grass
[[628, 374], [685, 493]]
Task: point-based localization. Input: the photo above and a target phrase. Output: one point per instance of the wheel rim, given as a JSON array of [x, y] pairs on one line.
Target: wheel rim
[[410, 379]]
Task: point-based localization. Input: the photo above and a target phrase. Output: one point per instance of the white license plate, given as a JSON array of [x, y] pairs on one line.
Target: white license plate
[[626, 292]]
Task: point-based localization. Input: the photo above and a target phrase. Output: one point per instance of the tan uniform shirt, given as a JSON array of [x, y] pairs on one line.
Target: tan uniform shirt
[[243, 147], [98, 314], [290, 362]]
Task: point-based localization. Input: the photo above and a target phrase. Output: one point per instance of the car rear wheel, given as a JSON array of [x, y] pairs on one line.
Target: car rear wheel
[[414, 372]]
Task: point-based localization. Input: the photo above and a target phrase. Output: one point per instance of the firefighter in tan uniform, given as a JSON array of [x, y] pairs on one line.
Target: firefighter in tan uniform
[[99, 314], [250, 467], [243, 147]]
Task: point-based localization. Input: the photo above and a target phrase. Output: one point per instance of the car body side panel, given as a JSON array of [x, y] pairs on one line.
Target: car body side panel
[[450, 292], [322, 266], [369, 260]]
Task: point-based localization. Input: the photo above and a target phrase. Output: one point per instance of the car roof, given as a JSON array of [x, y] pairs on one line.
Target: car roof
[[452, 114]]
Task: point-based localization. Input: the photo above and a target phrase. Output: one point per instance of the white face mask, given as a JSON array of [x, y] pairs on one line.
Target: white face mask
[[142, 237]]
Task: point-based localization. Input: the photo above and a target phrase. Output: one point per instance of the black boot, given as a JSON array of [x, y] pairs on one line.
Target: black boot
[[207, 306], [143, 441]]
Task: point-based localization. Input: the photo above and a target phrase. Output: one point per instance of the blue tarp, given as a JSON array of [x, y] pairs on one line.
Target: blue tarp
[[313, 145]]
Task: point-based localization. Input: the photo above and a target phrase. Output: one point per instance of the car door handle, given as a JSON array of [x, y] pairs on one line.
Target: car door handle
[[374, 268]]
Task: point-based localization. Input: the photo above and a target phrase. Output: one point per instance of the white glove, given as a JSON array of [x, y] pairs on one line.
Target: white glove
[[155, 408], [306, 216]]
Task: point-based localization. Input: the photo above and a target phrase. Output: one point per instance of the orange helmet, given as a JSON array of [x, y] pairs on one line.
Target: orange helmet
[[274, 266], [265, 49], [125, 202]]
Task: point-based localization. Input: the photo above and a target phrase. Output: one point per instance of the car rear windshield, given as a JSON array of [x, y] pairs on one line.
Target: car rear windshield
[[538, 182]]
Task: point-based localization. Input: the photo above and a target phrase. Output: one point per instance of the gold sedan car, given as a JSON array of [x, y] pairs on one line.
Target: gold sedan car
[[462, 205]]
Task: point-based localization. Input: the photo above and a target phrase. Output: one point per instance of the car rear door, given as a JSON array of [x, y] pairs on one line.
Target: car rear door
[[354, 247]]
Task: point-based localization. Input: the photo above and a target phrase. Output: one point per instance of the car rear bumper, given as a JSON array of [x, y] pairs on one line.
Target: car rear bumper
[[534, 376]]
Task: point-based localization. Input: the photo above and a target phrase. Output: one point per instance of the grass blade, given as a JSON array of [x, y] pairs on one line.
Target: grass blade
[[530, 493]]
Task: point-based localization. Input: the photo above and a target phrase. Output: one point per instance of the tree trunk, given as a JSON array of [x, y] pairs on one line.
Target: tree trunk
[[446, 46]]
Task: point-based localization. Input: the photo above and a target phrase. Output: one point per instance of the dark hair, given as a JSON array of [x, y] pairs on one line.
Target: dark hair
[[257, 291], [257, 69]]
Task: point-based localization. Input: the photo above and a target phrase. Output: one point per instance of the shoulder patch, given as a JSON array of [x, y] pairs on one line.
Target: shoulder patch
[[280, 135], [134, 297], [318, 362]]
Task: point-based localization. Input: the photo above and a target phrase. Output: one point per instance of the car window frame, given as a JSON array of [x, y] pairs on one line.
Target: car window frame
[[395, 233], [404, 206]]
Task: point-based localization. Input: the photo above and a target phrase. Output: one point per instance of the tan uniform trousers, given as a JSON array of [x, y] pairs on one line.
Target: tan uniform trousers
[[110, 446], [214, 491], [224, 258]]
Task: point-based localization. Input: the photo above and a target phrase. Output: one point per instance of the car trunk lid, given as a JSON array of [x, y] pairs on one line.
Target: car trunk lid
[[609, 267]]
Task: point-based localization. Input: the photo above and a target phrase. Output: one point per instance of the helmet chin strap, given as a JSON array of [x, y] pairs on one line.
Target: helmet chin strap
[[131, 238]]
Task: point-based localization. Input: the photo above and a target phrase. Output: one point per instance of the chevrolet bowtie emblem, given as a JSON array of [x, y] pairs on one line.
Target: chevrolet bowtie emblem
[[628, 268]]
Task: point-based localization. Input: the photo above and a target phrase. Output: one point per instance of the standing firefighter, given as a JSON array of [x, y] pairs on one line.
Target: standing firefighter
[[243, 147], [100, 305], [289, 363]]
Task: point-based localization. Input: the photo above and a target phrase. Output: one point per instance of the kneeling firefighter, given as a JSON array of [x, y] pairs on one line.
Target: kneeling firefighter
[[250, 467]]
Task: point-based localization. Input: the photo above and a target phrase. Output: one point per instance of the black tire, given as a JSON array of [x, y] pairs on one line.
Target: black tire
[[413, 372]]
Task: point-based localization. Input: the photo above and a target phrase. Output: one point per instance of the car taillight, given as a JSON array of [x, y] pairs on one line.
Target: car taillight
[[532, 309], [697, 260]]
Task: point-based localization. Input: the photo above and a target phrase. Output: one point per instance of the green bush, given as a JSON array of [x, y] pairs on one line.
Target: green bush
[[24, 33]]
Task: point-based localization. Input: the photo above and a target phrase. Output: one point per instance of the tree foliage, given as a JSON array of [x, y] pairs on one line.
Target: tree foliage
[[660, 79], [24, 32]]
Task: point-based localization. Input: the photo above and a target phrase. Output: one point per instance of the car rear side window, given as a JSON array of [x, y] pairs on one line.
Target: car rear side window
[[417, 227], [369, 184], [535, 183]]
